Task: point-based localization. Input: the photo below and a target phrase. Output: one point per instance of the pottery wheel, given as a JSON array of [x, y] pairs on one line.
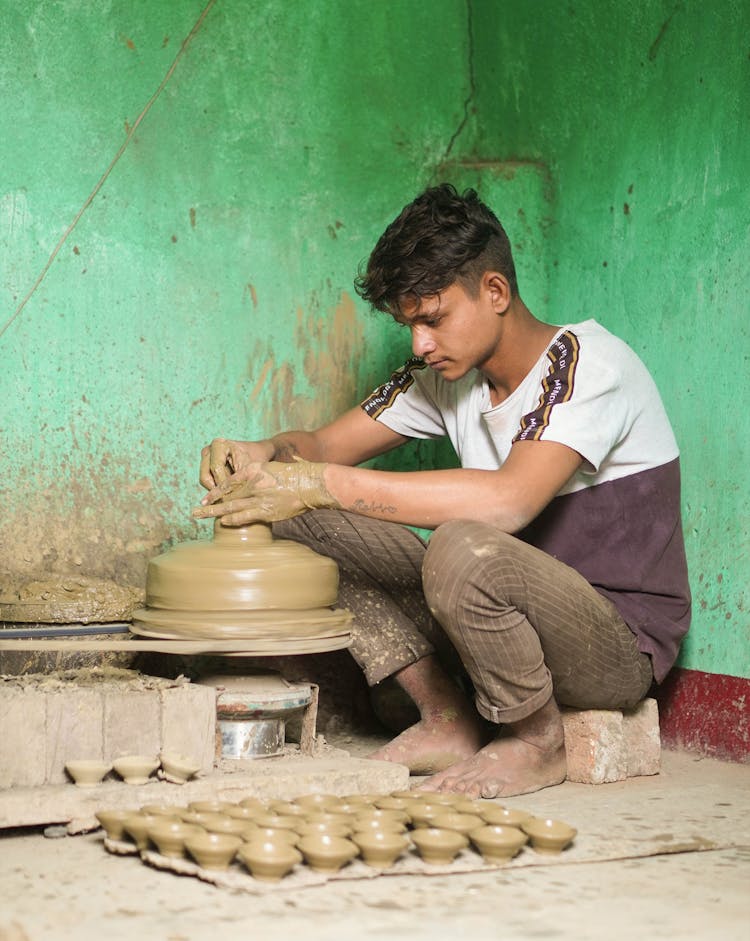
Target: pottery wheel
[[243, 585]]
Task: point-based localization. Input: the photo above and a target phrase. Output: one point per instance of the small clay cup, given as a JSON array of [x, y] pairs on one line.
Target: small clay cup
[[220, 823], [316, 801], [362, 800], [179, 767], [213, 850], [408, 795], [278, 821], [325, 853], [162, 810], [549, 836], [136, 826], [269, 860], [136, 769], [497, 843], [423, 814], [467, 806], [169, 836], [113, 822], [247, 814], [255, 834], [438, 847], [461, 823], [332, 827], [387, 816], [442, 797], [210, 806], [254, 803], [87, 772], [367, 821], [494, 814], [286, 809], [393, 803], [380, 848]]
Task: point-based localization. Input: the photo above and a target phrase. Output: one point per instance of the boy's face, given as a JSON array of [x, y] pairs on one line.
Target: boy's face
[[452, 331]]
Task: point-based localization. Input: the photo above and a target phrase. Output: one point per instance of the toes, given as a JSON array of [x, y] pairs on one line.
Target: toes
[[490, 789]]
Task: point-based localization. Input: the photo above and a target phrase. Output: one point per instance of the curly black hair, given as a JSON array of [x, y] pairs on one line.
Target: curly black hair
[[440, 238]]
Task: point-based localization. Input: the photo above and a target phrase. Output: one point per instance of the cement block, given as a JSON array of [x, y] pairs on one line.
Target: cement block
[[75, 729], [132, 722], [188, 723], [640, 728], [23, 743], [595, 746]]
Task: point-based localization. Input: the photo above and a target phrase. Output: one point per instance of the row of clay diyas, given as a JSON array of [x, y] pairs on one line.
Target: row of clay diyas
[[133, 769], [327, 832]]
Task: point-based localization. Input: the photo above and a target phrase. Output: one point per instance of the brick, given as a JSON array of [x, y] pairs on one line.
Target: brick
[[642, 738], [132, 722], [23, 739], [188, 723], [75, 729], [595, 746]]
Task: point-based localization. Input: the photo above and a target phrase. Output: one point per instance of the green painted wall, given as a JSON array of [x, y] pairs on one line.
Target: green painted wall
[[206, 289]]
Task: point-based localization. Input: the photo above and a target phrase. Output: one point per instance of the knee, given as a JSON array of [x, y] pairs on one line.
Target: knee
[[456, 557]]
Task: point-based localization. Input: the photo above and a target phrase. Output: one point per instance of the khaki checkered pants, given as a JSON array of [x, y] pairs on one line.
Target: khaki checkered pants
[[517, 622]]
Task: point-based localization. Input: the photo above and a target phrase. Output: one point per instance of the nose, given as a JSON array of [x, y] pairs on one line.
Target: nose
[[422, 343]]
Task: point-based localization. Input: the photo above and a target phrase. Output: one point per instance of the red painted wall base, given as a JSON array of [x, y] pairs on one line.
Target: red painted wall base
[[707, 713]]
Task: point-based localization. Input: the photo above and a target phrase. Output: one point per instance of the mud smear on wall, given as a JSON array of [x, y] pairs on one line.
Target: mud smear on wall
[[330, 346]]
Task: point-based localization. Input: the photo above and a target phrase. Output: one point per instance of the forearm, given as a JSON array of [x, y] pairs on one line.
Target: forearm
[[429, 498], [287, 445]]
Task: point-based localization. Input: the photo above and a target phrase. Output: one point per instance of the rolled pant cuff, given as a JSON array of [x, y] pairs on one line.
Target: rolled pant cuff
[[376, 672], [502, 715]]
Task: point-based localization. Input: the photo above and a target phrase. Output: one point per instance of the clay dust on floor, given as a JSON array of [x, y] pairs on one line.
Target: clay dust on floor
[[70, 887]]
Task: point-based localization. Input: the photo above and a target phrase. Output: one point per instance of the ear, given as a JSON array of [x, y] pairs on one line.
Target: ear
[[498, 289]]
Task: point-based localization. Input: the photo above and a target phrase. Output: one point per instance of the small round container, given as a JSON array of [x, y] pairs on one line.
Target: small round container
[[256, 834], [169, 836], [213, 850], [179, 767], [461, 823], [113, 822], [325, 853], [210, 806], [87, 772], [219, 823], [254, 803], [269, 860], [136, 769], [438, 847], [498, 844], [162, 810], [338, 828], [136, 827], [278, 821], [504, 816], [316, 801], [423, 815], [547, 835], [380, 848], [286, 809]]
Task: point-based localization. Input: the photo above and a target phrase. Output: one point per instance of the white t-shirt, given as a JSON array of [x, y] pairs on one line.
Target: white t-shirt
[[617, 521]]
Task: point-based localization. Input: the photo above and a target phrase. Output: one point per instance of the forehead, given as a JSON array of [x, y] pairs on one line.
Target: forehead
[[413, 308]]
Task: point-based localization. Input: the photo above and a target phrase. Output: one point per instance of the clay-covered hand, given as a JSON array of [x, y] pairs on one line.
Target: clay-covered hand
[[268, 492], [223, 459]]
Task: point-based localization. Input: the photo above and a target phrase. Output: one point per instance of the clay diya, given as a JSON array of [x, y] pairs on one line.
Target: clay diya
[[219, 823], [316, 801], [254, 803], [213, 850], [387, 816], [368, 821], [278, 821], [498, 844], [380, 848], [113, 822], [466, 806], [136, 769], [210, 806], [548, 836], [441, 797], [504, 816], [325, 853], [169, 836], [423, 814], [136, 826], [179, 767], [87, 772], [461, 823], [393, 803], [286, 809], [162, 810], [438, 847], [253, 833], [331, 827], [247, 814], [269, 860]]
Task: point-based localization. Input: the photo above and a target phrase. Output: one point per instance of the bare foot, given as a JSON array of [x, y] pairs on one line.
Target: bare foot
[[435, 743], [530, 758]]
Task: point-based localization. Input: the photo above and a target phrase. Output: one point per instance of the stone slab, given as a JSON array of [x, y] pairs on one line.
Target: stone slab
[[284, 777], [188, 723], [23, 752], [74, 729], [640, 727]]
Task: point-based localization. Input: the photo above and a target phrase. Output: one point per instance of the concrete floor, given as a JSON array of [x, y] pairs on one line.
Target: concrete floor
[[71, 888]]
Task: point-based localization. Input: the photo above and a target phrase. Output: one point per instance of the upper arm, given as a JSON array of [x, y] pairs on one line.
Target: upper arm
[[533, 474], [354, 437]]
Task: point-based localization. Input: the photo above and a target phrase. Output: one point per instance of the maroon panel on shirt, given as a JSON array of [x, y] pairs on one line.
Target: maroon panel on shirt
[[625, 537]]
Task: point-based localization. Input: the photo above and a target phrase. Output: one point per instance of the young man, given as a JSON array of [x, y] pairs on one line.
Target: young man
[[556, 574]]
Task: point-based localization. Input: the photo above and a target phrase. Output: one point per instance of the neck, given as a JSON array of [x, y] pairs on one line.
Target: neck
[[522, 342]]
